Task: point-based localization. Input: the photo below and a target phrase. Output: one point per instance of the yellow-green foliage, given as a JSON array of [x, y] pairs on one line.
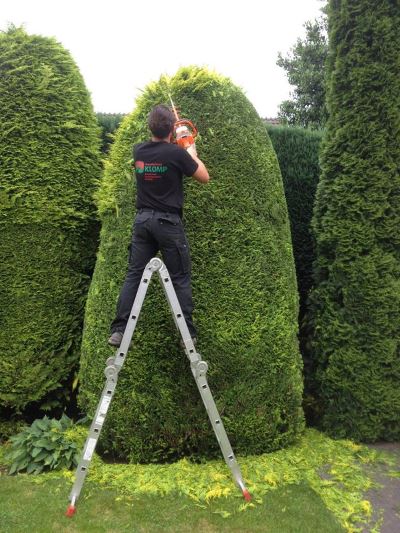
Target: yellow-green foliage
[[244, 288], [334, 469]]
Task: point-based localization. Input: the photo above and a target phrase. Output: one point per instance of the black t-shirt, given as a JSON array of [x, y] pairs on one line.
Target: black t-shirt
[[159, 168]]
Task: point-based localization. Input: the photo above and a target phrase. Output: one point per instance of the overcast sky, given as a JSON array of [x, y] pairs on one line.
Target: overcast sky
[[121, 45]]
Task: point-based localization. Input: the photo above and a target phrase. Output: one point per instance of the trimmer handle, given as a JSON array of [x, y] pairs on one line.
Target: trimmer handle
[[185, 133], [188, 123]]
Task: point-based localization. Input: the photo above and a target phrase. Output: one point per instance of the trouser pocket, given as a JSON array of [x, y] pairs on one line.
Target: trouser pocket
[[143, 217], [171, 219], [184, 256]]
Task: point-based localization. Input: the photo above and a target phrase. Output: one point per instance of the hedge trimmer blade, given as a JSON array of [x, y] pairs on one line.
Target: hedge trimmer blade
[[173, 107]]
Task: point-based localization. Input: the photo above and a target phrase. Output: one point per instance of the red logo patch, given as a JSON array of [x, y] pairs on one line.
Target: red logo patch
[[139, 166]]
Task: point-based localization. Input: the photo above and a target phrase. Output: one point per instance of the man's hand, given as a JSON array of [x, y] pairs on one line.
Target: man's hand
[[192, 150], [201, 173]]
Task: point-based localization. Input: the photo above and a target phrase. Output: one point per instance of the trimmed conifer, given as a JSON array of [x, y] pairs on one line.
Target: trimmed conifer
[[356, 300], [243, 283], [49, 152], [108, 123], [297, 150]]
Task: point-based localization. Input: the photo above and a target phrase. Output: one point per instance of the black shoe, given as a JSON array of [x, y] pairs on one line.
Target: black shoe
[[116, 338]]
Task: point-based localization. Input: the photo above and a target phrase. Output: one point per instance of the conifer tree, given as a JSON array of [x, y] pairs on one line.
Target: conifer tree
[[244, 290], [356, 300], [50, 162]]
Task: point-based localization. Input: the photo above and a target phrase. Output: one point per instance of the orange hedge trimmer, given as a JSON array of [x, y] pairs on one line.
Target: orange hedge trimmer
[[185, 132]]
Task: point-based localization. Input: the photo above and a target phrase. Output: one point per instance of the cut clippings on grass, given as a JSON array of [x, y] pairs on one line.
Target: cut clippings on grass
[[333, 469]]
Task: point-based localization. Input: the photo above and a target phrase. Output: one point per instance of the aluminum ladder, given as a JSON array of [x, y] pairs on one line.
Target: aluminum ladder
[[114, 365]]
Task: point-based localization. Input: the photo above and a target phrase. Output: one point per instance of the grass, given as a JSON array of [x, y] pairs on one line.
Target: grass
[[30, 507], [315, 485]]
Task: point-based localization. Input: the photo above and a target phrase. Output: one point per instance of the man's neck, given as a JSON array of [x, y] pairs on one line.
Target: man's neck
[[158, 140]]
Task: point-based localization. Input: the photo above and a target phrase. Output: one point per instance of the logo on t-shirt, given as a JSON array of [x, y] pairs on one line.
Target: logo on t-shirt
[[139, 167], [151, 171]]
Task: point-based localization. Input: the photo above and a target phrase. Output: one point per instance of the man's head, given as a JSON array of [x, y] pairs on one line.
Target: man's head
[[161, 121]]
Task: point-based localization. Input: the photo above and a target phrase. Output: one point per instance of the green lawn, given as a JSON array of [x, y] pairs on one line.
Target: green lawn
[[317, 485], [30, 507]]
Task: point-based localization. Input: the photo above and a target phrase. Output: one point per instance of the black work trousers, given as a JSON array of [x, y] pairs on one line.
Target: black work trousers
[[154, 231]]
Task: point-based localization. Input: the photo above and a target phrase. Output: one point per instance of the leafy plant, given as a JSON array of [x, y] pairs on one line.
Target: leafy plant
[[48, 444], [305, 67]]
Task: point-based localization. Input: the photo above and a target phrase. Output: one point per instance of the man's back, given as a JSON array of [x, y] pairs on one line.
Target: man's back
[[159, 168]]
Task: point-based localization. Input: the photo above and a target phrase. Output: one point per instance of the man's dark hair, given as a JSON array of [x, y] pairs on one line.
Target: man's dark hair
[[161, 121]]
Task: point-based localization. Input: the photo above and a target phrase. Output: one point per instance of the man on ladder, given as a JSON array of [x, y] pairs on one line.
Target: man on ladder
[[160, 166]]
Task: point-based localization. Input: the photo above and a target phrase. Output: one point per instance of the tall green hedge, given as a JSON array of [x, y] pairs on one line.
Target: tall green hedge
[[108, 123], [49, 153], [243, 282], [356, 301], [297, 150]]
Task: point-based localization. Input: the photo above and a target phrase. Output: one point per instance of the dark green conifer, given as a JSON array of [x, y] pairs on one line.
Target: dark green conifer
[[297, 150], [356, 300]]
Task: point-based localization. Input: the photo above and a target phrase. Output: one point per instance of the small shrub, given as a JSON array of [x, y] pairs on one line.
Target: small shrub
[[48, 444]]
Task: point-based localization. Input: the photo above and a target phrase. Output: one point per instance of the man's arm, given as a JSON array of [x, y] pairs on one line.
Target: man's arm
[[201, 173]]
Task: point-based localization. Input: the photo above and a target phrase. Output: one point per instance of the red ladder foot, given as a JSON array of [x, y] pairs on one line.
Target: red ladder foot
[[71, 510], [246, 495]]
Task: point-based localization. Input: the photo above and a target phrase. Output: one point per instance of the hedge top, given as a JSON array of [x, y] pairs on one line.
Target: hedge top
[[49, 138]]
